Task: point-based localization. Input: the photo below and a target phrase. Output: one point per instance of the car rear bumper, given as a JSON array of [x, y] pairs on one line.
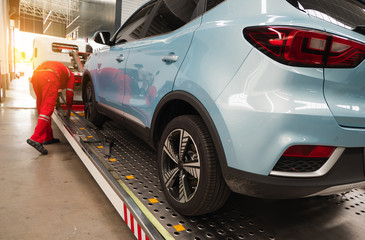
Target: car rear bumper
[[347, 173]]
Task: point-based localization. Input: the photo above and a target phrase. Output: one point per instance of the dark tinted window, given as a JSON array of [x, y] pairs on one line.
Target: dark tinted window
[[171, 15], [345, 13], [133, 26], [212, 3]]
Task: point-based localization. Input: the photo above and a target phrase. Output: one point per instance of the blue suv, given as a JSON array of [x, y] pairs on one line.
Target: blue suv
[[264, 98]]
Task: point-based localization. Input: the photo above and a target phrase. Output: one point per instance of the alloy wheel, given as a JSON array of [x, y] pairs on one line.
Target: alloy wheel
[[89, 102], [181, 165]]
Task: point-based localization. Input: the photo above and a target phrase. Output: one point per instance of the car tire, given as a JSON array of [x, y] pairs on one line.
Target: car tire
[[189, 170], [91, 113]]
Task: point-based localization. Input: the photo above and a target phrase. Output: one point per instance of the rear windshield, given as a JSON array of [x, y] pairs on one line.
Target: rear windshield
[[345, 13]]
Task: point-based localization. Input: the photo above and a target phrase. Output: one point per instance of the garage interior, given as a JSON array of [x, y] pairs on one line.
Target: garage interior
[[54, 196], [47, 197]]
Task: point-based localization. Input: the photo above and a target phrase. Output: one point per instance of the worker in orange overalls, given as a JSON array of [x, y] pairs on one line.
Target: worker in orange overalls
[[47, 79]]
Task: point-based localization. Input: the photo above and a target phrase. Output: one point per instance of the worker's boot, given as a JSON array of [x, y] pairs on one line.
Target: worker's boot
[[37, 146], [52, 141]]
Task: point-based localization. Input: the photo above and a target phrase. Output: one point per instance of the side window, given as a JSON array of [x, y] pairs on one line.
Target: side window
[[133, 26], [212, 3], [171, 15]]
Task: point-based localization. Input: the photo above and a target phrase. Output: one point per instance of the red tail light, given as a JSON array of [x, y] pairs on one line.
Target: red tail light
[[305, 151], [305, 47]]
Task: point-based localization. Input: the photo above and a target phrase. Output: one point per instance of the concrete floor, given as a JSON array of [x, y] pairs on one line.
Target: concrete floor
[[47, 196]]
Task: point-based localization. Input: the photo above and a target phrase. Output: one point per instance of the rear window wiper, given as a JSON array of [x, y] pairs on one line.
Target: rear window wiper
[[360, 29]]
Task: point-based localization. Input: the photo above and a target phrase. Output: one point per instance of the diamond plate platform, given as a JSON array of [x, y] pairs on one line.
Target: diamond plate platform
[[133, 166]]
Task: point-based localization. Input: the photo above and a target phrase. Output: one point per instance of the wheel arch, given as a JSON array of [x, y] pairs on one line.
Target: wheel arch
[[179, 103]]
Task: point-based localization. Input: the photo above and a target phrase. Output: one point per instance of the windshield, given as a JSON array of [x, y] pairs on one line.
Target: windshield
[[345, 13]]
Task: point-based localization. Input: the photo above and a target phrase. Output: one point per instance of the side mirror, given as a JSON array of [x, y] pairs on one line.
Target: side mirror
[[102, 37]]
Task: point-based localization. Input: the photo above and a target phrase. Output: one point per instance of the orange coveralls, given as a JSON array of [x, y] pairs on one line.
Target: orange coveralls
[[47, 79]]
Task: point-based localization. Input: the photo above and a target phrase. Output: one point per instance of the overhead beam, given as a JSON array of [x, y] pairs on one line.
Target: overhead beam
[[60, 11]]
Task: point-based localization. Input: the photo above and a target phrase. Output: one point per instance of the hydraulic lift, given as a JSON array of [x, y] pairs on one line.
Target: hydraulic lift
[[125, 169]]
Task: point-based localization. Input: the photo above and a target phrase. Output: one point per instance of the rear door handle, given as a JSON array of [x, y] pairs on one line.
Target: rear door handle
[[170, 58], [120, 58]]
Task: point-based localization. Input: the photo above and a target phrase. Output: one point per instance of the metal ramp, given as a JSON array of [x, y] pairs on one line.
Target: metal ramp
[[127, 173]]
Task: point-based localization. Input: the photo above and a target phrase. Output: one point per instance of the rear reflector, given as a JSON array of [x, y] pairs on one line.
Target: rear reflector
[[305, 151], [304, 47]]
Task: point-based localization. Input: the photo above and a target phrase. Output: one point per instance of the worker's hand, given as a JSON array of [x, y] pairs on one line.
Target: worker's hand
[[68, 113]]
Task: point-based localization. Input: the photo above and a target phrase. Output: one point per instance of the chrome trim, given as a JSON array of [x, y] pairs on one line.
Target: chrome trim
[[123, 114], [338, 189], [320, 172]]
